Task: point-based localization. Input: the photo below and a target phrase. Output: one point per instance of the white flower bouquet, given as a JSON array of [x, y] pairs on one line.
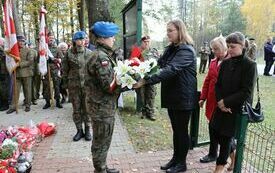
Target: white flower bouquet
[[130, 71]]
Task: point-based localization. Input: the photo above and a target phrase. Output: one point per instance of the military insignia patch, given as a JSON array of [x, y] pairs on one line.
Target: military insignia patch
[[104, 63]]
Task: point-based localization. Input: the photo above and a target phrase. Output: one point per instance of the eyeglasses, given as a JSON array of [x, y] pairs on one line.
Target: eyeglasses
[[171, 30]]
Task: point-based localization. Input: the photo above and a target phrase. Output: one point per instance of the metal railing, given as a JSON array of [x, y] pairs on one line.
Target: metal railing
[[255, 143]]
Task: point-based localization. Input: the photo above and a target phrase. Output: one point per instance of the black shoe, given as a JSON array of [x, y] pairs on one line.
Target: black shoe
[[78, 135], [63, 100], [112, 170], [168, 165], [267, 74], [177, 168], [207, 159], [27, 109], [58, 104], [4, 108], [34, 102], [88, 135], [47, 105], [152, 118], [10, 111]]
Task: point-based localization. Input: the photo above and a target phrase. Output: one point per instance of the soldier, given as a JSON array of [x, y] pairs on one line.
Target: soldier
[[204, 57], [24, 73], [55, 71], [63, 91], [4, 79], [102, 93], [73, 68], [252, 49], [36, 79]]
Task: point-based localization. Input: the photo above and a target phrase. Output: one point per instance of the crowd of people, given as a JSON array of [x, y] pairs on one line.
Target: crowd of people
[[83, 74]]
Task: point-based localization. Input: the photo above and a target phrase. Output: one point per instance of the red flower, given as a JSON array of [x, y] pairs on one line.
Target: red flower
[[134, 62]]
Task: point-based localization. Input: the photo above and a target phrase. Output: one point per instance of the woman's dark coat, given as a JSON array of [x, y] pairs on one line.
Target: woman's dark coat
[[178, 77]]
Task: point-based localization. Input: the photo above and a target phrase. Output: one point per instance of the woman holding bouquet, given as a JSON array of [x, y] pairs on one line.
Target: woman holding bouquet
[[178, 89], [102, 93]]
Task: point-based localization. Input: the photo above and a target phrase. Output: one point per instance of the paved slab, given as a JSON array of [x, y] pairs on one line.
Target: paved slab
[[58, 153]]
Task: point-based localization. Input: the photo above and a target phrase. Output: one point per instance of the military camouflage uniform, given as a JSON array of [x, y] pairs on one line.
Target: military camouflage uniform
[[148, 92], [4, 81], [251, 53], [74, 68], [36, 79], [101, 101], [24, 73], [55, 65]]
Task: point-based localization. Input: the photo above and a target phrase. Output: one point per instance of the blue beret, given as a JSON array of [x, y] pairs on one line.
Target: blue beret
[[79, 35], [105, 29]]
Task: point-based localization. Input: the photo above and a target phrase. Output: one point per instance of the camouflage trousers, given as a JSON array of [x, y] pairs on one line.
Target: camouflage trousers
[[4, 90], [26, 83], [102, 137], [56, 85], [36, 82], [148, 94], [77, 98]]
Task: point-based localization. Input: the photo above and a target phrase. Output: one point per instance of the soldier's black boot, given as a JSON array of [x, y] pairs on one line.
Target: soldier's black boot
[[112, 170], [58, 104], [88, 135], [78, 135], [47, 105]]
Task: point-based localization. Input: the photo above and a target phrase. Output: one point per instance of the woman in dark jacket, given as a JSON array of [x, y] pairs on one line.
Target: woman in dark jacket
[[178, 89], [235, 84]]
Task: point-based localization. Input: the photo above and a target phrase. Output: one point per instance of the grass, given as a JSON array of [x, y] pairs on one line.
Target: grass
[[152, 136]]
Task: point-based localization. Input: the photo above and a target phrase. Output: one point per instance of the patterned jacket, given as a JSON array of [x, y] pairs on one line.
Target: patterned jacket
[[101, 90]]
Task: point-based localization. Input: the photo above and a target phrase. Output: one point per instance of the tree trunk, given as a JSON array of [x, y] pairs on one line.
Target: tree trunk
[[22, 18], [17, 22], [1, 18], [80, 10], [72, 18], [57, 21], [98, 10]]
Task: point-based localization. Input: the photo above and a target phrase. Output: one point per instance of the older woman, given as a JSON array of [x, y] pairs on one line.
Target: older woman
[[235, 84], [178, 89], [219, 48], [102, 93]]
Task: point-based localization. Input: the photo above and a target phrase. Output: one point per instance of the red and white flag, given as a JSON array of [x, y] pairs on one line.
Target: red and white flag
[[43, 47], [11, 45]]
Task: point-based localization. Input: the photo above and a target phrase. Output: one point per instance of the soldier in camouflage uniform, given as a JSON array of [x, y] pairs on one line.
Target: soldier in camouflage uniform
[[102, 94], [4, 79], [24, 73], [73, 68], [252, 49], [36, 79], [55, 70], [148, 92]]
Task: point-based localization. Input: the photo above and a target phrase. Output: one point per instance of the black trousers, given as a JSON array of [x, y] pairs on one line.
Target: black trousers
[[226, 146], [213, 147], [179, 121], [268, 65]]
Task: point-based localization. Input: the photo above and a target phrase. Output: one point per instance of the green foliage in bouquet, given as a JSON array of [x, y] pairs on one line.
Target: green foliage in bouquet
[[7, 151]]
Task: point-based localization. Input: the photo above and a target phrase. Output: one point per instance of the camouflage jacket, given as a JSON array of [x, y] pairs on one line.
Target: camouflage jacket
[[74, 67], [150, 53], [3, 68], [101, 90], [25, 68], [55, 63], [251, 53]]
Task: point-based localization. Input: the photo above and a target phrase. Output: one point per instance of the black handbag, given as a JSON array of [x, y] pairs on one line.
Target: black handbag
[[255, 115]]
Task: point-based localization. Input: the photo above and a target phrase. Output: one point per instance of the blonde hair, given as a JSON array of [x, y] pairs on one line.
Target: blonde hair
[[220, 42], [184, 37]]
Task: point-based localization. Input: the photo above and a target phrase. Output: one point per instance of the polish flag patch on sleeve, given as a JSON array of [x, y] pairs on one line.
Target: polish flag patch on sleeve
[[104, 63]]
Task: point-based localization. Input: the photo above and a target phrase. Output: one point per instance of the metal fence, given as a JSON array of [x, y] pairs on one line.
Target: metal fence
[[255, 149]]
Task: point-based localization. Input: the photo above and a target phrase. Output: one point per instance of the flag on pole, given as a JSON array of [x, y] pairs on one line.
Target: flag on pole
[[11, 45], [43, 47]]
